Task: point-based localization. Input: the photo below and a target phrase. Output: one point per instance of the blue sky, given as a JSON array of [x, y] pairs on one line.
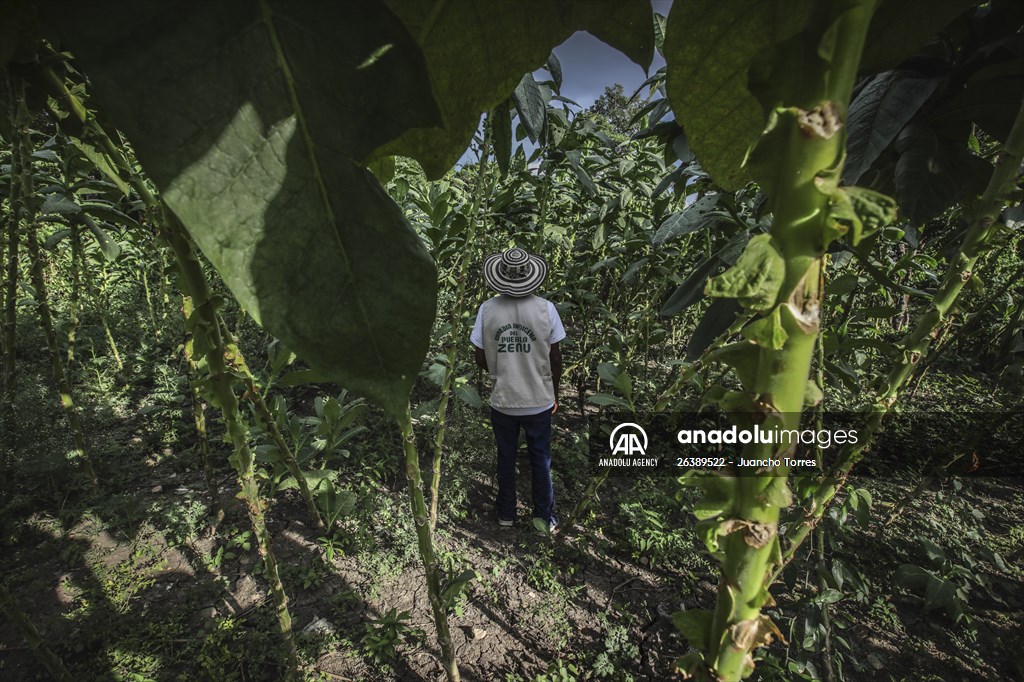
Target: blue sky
[[588, 66]]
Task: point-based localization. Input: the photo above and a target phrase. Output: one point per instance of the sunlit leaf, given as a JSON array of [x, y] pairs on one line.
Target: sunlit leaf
[[710, 47], [247, 117]]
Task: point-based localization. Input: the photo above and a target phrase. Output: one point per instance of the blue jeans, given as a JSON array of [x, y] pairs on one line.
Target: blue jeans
[[537, 428]]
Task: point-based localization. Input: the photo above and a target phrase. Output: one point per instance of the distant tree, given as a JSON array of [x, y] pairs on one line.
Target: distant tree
[[615, 109]]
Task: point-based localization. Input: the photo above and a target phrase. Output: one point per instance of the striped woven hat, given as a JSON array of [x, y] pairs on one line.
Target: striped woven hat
[[515, 272]]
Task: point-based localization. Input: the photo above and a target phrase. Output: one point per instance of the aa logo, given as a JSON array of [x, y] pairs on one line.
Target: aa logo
[[628, 439]]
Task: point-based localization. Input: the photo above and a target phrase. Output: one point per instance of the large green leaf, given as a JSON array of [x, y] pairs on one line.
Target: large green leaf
[[247, 117], [109, 247], [932, 172], [692, 288], [699, 215], [710, 47], [501, 135], [531, 105], [990, 99], [877, 115], [719, 316], [625, 25], [900, 27], [478, 50]]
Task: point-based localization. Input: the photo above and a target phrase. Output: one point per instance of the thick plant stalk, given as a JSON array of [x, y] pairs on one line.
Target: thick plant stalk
[[196, 287], [8, 258], [826, 609], [81, 454], [3, 250], [35, 641], [253, 393], [243, 460], [188, 256], [455, 340], [983, 227], [424, 538], [796, 161], [969, 325], [260, 405], [199, 416]]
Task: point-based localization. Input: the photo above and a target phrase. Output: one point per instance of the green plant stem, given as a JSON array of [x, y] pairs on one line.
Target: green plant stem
[[221, 384], [35, 641], [983, 214], [795, 157], [27, 209], [8, 311], [164, 287], [969, 325], [260, 405], [455, 338], [104, 306], [424, 539], [254, 394], [826, 615], [199, 415]]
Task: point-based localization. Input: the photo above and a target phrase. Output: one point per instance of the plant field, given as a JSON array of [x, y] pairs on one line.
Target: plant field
[[242, 432]]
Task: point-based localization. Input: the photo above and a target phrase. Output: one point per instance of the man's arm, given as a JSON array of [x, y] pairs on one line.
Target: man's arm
[[555, 356], [481, 359]]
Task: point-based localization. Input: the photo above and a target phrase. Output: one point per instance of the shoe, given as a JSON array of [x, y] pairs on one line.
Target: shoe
[[546, 527], [505, 523]]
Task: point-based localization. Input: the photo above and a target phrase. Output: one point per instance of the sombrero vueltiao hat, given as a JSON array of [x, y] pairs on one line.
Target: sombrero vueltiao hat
[[515, 272]]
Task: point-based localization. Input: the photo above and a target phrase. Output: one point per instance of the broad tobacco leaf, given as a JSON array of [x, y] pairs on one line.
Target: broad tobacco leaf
[[716, 319], [710, 47], [478, 50], [695, 626], [880, 111], [247, 117], [932, 173], [756, 278], [900, 27], [699, 215]]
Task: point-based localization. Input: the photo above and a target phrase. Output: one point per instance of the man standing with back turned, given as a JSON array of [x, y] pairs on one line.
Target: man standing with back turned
[[516, 337]]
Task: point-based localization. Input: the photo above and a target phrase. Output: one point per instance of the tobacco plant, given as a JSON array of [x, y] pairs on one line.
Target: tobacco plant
[[266, 133], [796, 161]]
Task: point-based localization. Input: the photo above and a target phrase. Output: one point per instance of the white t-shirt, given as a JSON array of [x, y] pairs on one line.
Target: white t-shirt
[[476, 337]]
